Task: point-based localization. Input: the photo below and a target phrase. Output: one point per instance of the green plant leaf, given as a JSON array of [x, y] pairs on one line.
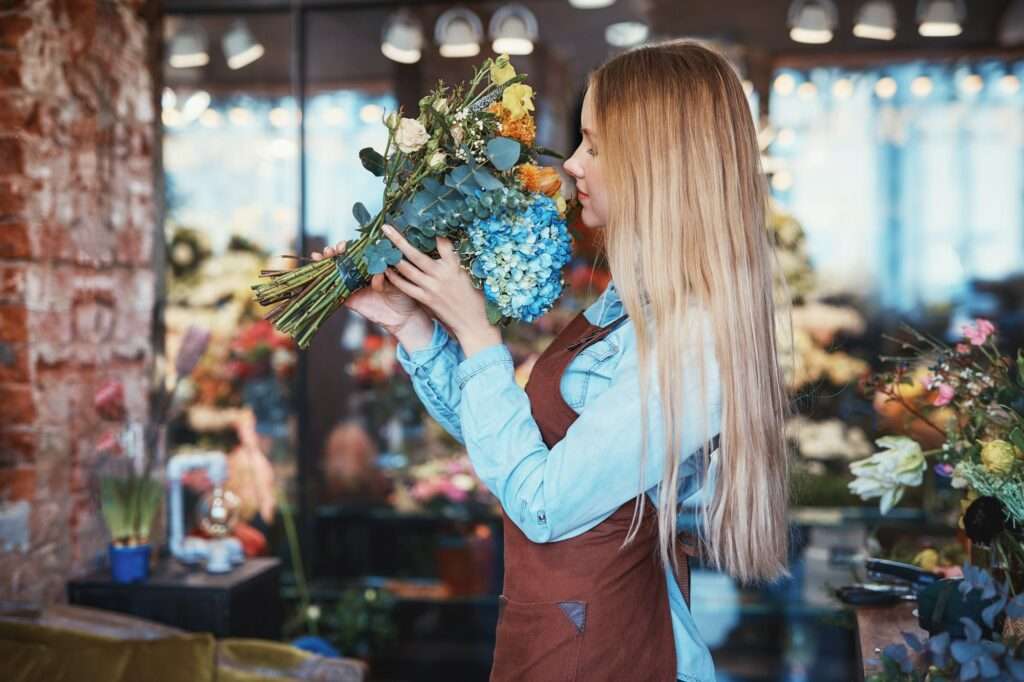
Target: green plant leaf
[[1017, 437], [380, 255], [486, 181], [372, 160], [503, 152], [494, 313], [360, 213]]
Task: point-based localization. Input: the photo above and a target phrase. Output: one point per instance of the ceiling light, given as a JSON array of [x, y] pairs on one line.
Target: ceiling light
[[591, 4], [210, 118], [1009, 84], [371, 113], [513, 29], [626, 33], [785, 84], [195, 105], [972, 84], [402, 41], [876, 21], [458, 31], [940, 18], [240, 48], [843, 88], [886, 87], [921, 86], [812, 21], [188, 48], [807, 90]]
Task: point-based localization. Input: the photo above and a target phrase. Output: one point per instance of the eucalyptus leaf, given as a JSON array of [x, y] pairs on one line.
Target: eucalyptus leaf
[[494, 313], [503, 152], [372, 161], [486, 181], [360, 213], [380, 255]]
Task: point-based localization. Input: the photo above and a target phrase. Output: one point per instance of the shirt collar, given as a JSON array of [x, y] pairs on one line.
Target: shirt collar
[[606, 308]]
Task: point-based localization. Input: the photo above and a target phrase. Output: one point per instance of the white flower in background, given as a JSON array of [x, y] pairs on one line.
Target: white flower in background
[[885, 474], [411, 135]]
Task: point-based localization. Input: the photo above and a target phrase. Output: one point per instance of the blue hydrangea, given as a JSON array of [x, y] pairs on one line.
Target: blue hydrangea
[[519, 257]]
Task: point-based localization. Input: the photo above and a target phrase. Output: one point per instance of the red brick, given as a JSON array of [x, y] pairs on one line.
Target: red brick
[[17, 445], [14, 362], [14, 241], [16, 404], [18, 484], [17, 113], [10, 70], [12, 322], [13, 197], [12, 30], [12, 156], [12, 283]]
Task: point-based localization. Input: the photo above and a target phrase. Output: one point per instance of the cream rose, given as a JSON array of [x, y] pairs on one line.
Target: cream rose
[[411, 135]]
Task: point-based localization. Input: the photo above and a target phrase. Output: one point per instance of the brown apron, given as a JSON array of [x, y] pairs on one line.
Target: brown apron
[[582, 608]]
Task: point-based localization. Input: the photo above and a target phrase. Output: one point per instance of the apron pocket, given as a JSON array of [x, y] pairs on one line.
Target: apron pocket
[[538, 641]]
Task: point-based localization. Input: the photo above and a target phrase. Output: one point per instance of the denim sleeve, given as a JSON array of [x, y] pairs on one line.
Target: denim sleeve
[[557, 493], [432, 370]]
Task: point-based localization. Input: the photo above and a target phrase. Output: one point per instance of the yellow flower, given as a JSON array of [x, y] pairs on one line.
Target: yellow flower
[[518, 99], [560, 205], [928, 559], [998, 456], [502, 71]]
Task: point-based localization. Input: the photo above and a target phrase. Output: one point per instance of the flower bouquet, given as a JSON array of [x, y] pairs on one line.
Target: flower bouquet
[[981, 392], [466, 169]]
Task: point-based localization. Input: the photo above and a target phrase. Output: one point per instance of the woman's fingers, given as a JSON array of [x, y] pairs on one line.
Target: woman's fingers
[[415, 256], [377, 283], [339, 248], [444, 247], [329, 252], [411, 272], [316, 255], [404, 285]]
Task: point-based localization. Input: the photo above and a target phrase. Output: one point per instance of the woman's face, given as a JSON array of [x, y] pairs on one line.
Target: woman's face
[[585, 166]]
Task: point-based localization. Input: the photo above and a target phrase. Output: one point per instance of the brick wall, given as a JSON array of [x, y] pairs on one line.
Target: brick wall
[[78, 217]]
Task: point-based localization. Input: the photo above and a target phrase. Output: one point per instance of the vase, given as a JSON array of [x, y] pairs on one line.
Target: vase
[[129, 564]]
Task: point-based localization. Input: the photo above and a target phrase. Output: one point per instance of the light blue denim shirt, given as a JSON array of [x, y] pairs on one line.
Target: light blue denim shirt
[[558, 493]]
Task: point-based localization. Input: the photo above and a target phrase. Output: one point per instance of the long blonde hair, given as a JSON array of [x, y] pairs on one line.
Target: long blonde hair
[[686, 221]]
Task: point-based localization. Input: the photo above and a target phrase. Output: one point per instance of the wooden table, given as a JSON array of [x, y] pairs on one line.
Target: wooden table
[[243, 603], [880, 626]]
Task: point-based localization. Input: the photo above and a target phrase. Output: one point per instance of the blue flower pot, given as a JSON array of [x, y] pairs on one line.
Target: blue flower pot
[[129, 564]]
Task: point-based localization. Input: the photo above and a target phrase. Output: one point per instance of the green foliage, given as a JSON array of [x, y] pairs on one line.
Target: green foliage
[[129, 505]]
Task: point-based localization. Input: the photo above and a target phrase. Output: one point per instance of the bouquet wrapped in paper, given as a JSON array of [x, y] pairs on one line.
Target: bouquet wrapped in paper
[[467, 169]]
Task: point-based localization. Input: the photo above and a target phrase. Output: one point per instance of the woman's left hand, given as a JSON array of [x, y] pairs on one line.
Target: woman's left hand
[[443, 286]]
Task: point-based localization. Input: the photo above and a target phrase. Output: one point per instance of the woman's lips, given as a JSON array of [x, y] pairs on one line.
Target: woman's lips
[[581, 195]]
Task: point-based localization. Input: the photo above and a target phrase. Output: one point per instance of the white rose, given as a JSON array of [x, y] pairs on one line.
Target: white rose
[[436, 160], [411, 135], [457, 134], [886, 473]]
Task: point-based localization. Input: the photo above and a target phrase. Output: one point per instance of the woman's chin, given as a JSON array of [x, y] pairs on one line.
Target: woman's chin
[[590, 220]]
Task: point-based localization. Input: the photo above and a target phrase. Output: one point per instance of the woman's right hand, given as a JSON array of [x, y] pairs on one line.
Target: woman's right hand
[[381, 302]]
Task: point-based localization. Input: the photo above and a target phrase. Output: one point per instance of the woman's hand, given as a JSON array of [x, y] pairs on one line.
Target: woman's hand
[[382, 303], [444, 287]]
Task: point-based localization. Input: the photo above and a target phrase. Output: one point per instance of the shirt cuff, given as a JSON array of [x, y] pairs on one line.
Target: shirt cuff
[[497, 354], [422, 357]]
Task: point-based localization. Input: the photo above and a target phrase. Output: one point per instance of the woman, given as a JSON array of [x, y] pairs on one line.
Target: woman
[[593, 459]]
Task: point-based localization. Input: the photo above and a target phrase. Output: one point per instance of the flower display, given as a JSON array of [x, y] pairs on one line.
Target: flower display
[[885, 474], [466, 168]]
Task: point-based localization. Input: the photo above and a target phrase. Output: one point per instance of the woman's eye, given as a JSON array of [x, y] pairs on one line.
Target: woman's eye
[[592, 152]]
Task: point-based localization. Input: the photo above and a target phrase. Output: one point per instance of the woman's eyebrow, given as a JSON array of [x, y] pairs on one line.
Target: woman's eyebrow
[[591, 133]]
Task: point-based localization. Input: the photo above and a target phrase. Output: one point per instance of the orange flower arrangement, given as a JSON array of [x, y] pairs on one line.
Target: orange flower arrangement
[[538, 179], [523, 129]]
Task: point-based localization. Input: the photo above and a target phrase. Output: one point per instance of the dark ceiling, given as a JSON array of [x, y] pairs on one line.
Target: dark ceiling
[[342, 37]]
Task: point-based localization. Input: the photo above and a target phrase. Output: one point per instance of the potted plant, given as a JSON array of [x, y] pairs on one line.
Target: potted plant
[[130, 492]]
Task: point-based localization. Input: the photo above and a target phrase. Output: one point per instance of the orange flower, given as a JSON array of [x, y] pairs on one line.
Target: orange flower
[[537, 179], [523, 129]]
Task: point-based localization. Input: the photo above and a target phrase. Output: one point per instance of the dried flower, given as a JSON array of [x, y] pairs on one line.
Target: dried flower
[[998, 456], [538, 179], [979, 332]]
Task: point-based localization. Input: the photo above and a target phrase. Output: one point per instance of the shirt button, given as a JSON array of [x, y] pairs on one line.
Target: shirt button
[[542, 517]]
